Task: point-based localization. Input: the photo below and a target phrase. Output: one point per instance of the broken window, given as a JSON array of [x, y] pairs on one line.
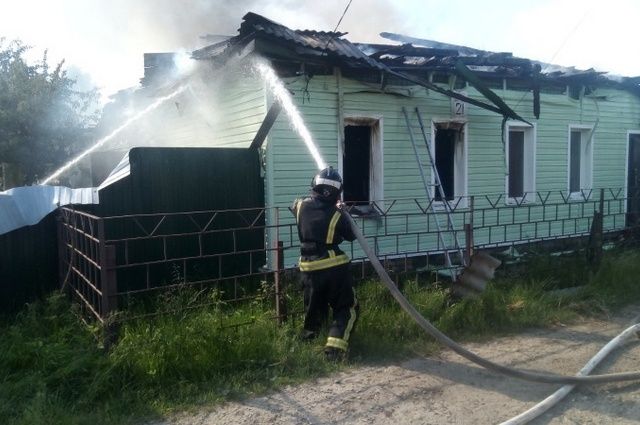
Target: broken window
[[357, 154], [574, 91], [574, 162], [362, 163], [580, 160], [516, 164], [445, 162], [449, 151], [520, 163]]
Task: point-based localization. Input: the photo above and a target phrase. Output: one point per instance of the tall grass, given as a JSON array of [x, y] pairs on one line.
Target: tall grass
[[52, 370]]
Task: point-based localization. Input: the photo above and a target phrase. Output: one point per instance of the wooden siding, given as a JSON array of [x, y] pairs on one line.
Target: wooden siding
[[241, 109], [223, 112], [290, 167]]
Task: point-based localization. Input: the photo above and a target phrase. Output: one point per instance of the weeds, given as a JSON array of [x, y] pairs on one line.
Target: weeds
[[53, 371]]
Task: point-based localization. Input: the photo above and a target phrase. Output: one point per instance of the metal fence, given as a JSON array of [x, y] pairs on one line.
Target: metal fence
[[108, 261], [87, 262]]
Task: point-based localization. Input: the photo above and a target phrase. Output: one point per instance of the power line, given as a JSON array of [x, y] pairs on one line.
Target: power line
[[573, 30], [343, 13], [564, 42], [337, 25]]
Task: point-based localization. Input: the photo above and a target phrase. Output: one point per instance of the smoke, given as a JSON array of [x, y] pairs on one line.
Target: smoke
[[108, 39], [170, 24]]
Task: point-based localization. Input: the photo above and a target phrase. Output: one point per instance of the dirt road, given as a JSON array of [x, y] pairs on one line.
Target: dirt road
[[446, 389]]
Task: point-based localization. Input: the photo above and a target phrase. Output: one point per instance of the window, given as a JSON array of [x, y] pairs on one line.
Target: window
[[361, 165], [449, 149], [521, 165], [580, 160], [357, 166]]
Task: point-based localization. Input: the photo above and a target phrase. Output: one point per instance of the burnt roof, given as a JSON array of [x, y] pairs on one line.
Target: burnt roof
[[307, 43], [415, 56]]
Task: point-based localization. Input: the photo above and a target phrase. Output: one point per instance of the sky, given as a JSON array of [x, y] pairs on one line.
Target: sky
[[103, 41]]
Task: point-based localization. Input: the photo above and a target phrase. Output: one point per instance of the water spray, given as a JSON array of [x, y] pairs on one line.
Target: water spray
[[114, 133], [283, 95]]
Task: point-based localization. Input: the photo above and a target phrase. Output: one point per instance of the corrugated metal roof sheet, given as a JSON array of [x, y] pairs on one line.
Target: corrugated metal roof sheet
[[322, 41], [314, 42], [394, 58], [122, 170], [25, 206]]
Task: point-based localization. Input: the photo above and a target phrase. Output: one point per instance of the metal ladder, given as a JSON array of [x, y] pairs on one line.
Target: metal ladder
[[438, 185]]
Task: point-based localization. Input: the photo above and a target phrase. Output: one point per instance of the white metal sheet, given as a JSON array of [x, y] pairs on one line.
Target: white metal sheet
[[26, 206]]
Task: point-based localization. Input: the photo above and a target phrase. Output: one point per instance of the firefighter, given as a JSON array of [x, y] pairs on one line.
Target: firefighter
[[324, 268]]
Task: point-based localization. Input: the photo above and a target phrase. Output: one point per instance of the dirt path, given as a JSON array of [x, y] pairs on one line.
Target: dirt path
[[447, 389]]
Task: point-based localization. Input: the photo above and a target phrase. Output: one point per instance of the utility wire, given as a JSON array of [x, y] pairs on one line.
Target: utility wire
[[343, 13], [337, 25], [569, 35], [564, 42]]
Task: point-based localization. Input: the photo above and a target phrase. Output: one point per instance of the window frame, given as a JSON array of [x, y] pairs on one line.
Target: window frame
[[529, 157], [376, 165], [586, 159], [461, 164]]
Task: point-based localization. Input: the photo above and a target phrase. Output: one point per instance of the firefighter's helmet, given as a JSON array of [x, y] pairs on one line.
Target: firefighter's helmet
[[327, 182]]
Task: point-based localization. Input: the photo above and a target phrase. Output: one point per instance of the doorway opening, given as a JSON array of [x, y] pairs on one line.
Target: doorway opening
[[449, 149], [633, 180], [361, 163], [357, 164]]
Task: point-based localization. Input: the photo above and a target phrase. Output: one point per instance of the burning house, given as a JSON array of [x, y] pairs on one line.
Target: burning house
[[443, 149], [532, 142]]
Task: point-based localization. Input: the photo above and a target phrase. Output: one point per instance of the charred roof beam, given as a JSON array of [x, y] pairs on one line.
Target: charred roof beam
[[505, 109], [446, 92]]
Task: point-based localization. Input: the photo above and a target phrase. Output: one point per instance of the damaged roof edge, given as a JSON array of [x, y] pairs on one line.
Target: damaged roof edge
[[400, 60], [319, 44]]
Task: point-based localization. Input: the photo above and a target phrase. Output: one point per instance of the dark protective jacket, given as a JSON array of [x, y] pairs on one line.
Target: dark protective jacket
[[321, 228]]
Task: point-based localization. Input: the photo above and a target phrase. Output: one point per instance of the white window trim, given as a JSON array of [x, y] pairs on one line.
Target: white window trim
[[584, 186], [461, 175], [531, 136], [376, 167]]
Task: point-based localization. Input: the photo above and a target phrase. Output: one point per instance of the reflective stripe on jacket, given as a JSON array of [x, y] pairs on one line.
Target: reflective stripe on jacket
[[321, 228]]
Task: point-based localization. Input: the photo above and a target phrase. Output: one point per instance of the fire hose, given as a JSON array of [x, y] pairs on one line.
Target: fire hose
[[557, 396], [548, 378]]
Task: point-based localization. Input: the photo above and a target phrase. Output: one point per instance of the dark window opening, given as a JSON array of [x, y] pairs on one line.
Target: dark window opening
[[633, 181], [516, 163], [445, 161], [357, 164], [574, 161], [575, 91], [493, 83], [519, 85], [459, 84], [440, 77]]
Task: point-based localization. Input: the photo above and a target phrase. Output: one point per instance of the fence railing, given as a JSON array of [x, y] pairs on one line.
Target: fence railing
[[107, 261], [87, 262]]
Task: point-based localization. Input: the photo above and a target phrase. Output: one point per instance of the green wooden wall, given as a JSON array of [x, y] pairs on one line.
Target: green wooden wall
[[222, 109], [290, 167]]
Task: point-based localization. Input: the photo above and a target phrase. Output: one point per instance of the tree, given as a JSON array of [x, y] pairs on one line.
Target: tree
[[43, 119]]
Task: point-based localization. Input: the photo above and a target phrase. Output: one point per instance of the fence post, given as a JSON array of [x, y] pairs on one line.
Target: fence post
[[108, 280], [468, 231], [61, 252], [281, 302], [108, 285], [594, 249]]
